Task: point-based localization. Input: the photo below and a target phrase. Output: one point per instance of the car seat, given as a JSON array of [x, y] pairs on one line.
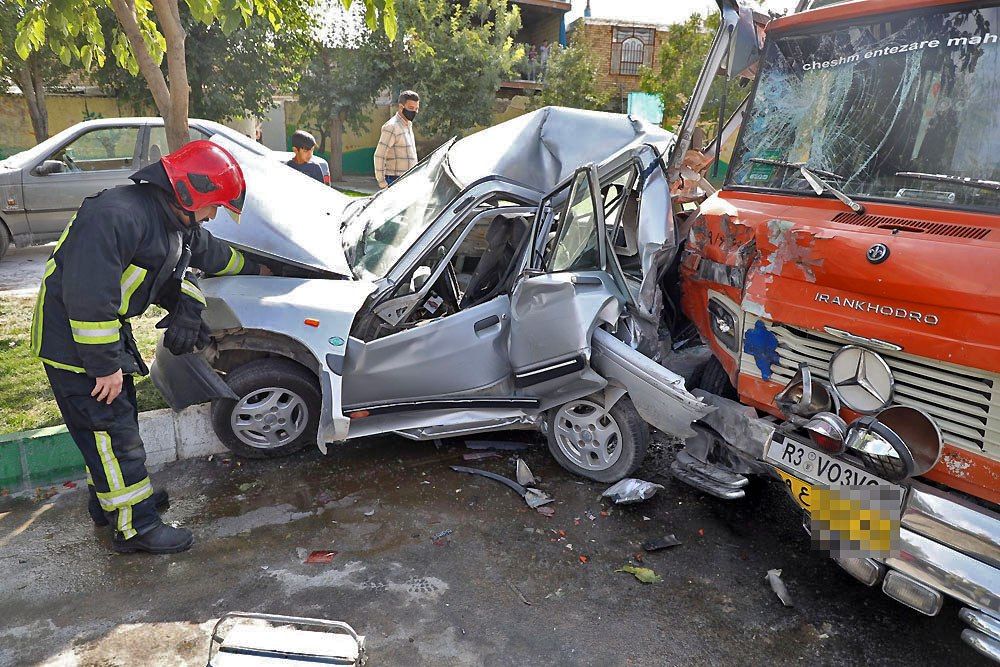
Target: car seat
[[503, 238]]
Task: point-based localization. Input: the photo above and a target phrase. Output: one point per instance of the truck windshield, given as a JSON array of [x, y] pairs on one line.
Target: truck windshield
[[883, 103]]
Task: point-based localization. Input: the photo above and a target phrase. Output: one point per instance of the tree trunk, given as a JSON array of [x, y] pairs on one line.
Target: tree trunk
[[172, 101], [33, 89], [337, 148], [169, 17]]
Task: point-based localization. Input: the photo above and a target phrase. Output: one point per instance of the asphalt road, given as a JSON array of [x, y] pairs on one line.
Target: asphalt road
[[463, 600], [21, 270]]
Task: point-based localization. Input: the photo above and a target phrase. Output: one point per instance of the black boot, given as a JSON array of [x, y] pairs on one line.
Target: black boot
[[162, 539], [160, 499]]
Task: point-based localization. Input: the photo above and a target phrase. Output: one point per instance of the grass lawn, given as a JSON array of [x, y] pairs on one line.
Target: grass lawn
[[25, 398]]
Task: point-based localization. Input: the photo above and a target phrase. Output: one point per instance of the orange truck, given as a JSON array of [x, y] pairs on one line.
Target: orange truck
[[846, 277]]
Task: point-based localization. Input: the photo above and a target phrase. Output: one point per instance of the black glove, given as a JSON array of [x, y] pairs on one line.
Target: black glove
[[186, 331]]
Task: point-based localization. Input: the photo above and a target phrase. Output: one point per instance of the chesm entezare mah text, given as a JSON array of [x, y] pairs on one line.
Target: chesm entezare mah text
[[975, 40]]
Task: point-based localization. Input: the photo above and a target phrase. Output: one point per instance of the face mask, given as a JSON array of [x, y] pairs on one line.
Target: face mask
[[409, 114]]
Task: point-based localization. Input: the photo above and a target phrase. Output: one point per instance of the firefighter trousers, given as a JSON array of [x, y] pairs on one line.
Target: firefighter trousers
[[108, 437]]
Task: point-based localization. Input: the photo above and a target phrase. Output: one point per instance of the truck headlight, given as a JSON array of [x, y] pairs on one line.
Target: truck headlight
[[723, 322]]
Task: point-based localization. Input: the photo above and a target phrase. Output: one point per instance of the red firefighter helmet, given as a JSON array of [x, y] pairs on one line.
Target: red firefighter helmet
[[202, 174]]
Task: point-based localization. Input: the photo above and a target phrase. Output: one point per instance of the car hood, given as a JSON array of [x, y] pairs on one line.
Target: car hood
[[286, 215], [543, 148]]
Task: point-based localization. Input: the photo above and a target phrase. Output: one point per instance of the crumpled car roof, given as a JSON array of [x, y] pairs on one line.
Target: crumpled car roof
[[542, 148]]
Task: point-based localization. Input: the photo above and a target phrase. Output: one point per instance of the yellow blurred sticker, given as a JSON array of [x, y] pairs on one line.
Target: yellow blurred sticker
[[850, 521]]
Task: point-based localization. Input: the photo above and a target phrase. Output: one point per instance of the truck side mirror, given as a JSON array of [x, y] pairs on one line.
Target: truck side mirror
[[744, 47], [49, 167]]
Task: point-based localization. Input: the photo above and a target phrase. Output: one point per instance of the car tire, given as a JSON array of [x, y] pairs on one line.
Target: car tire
[[715, 380], [586, 455], [276, 414]]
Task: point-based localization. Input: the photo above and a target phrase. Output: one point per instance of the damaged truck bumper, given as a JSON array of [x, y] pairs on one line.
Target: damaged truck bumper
[[947, 546]]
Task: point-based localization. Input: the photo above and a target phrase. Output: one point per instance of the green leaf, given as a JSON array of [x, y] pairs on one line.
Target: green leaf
[[643, 574], [21, 45], [87, 56], [389, 20], [65, 55]]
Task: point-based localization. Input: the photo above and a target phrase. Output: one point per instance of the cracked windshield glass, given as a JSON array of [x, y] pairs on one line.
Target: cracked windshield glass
[[378, 235], [906, 108]]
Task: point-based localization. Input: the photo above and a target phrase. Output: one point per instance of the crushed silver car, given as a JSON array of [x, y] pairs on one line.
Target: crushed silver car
[[510, 280]]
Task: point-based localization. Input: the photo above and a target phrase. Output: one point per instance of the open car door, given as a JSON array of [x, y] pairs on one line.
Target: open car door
[[564, 294]]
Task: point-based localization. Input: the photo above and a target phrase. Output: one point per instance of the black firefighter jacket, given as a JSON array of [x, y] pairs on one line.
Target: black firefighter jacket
[[110, 264]]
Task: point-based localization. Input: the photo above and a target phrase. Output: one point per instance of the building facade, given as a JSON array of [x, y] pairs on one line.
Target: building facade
[[621, 48]]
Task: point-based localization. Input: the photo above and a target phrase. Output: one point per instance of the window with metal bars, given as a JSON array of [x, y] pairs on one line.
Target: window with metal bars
[[631, 49]]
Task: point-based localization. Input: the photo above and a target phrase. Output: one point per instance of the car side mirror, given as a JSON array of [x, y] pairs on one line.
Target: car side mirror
[[49, 167], [744, 49], [419, 279]]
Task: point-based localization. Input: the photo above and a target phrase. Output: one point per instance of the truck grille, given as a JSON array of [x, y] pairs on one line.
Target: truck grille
[[965, 402]]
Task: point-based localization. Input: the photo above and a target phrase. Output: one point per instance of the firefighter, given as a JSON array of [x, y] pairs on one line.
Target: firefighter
[[127, 248]]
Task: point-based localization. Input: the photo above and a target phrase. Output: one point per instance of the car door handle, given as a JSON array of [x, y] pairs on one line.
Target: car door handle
[[484, 324], [586, 280]]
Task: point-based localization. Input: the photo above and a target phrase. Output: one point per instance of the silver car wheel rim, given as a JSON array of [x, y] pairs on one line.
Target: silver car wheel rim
[[588, 435], [269, 418]]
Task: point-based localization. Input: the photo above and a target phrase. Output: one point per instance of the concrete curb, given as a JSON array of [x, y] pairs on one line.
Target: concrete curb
[[48, 456]]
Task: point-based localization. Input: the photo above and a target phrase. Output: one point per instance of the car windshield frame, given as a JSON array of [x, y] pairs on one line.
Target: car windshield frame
[[420, 196], [815, 143]]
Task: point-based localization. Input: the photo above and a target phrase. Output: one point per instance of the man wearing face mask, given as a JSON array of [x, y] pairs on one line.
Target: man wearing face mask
[[396, 152], [127, 248]]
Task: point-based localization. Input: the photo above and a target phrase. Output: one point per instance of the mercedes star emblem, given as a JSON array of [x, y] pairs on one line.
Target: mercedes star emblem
[[862, 379], [878, 253]]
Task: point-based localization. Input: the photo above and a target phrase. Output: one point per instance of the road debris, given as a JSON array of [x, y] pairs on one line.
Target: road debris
[[643, 574], [320, 557], [779, 588], [546, 511], [519, 593], [443, 534], [583, 559], [533, 497], [658, 543], [630, 490], [523, 475]]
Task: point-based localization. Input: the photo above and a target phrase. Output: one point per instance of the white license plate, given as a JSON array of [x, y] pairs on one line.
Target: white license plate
[[817, 467]]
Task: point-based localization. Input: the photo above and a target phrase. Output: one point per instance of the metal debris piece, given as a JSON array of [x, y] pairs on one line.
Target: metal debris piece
[[658, 543], [524, 476], [519, 593], [533, 497], [779, 588], [643, 574], [370, 512], [536, 498], [630, 490], [442, 534], [546, 511], [320, 557], [501, 445]]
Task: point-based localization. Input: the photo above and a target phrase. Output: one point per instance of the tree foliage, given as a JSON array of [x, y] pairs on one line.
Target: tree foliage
[[456, 55], [571, 80], [32, 74], [681, 57], [340, 85], [230, 75]]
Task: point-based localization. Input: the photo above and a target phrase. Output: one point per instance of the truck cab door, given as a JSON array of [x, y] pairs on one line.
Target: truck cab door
[[565, 292]]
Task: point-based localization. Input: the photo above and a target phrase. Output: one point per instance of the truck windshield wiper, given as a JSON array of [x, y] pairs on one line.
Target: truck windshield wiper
[[948, 178], [812, 177]]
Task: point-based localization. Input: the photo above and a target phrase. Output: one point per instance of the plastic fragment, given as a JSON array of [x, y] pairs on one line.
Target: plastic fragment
[[442, 534], [631, 490], [523, 475], [643, 574], [658, 543], [779, 588], [320, 557]]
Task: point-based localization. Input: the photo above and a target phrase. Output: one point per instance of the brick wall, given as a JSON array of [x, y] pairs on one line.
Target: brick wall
[[598, 38]]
